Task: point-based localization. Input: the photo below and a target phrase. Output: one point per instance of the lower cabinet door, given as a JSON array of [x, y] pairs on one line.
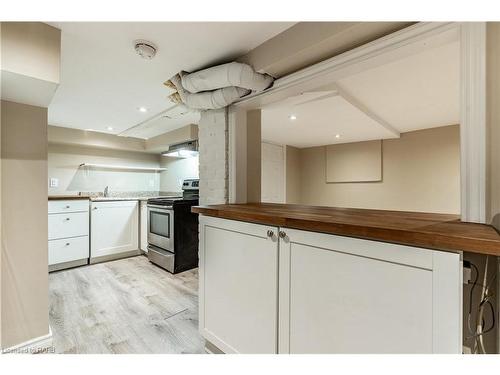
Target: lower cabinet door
[[143, 238], [346, 295], [68, 249], [238, 285], [114, 228]]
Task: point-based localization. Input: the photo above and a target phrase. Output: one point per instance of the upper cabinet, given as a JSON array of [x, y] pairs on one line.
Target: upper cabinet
[[31, 54]]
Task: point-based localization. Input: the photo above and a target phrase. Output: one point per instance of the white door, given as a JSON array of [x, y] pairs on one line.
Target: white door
[[273, 173], [238, 285], [114, 228], [346, 295]]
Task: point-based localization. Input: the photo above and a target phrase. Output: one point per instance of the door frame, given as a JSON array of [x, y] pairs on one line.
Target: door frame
[[472, 37]]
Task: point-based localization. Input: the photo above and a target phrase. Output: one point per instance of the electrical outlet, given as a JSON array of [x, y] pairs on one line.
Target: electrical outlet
[[467, 275], [54, 182]]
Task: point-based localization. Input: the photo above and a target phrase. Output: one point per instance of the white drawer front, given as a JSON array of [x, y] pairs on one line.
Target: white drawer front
[[79, 205], [68, 249], [68, 225]]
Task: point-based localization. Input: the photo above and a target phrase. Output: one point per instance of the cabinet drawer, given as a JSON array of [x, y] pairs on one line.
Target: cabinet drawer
[[68, 249], [80, 205], [68, 225]]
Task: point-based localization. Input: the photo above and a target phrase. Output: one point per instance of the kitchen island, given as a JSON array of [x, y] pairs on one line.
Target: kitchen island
[[280, 278]]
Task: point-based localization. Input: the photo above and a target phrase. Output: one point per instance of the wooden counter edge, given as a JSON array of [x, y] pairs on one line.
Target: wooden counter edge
[[67, 197], [417, 238]]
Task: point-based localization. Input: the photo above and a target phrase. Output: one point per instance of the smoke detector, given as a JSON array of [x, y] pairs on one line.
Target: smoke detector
[[145, 49]]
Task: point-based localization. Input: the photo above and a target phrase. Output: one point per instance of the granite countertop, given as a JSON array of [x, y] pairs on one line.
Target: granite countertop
[[428, 230], [106, 199], [116, 196]]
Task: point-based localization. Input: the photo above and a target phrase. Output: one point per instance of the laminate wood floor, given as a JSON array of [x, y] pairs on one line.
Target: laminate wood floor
[[124, 306]]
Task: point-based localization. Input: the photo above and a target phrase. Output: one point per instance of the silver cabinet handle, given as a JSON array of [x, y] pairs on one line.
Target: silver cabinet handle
[[67, 243], [68, 206], [67, 219], [270, 233], [282, 234], [95, 208]]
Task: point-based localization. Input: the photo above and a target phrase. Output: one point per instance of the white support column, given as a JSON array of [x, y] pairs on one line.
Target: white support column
[[473, 121], [213, 145], [237, 155], [254, 155]]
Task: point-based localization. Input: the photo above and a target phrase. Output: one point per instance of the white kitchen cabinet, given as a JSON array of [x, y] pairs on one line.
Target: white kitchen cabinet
[[68, 233], [70, 205], [144, 226], [336, 294], [68, 225], [238, 285], [114, 229], [68, 249], [345, 295]]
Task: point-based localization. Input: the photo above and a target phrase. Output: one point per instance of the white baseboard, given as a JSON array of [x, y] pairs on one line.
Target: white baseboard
[[211, 348], [42, 344]]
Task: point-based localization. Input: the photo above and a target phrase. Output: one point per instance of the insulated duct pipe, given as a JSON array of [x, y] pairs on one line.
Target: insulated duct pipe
[[218, 86], [215, 99], [231, 74]]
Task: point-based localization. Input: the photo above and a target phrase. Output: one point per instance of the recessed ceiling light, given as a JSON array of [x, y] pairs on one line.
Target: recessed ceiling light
[[143, 109], [292, 117], [337, 136], [109, 128]]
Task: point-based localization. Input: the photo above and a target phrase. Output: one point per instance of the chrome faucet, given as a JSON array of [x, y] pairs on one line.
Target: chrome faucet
[[106, 191]]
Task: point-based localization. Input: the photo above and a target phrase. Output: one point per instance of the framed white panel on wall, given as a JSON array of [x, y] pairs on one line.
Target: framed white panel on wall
[[354, 162]]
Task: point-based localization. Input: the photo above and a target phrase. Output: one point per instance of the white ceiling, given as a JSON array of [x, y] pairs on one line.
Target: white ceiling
[[416, 92], [103, 81], [320, 117]]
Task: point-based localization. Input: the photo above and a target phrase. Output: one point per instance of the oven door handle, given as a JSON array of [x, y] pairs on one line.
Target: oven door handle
[[167, 208]]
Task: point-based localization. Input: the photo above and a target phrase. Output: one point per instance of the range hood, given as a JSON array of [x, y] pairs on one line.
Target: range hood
[[182, 150]]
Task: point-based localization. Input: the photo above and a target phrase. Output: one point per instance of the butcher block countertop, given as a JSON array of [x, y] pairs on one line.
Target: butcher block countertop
[[434, 231]]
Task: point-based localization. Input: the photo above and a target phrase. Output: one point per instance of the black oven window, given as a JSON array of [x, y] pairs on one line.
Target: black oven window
[[159, 223]]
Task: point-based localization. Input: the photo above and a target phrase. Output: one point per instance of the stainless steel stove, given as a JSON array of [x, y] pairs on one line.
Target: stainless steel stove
[[173, 229]]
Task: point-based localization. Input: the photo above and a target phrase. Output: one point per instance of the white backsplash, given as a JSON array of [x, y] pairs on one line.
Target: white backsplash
[[64, 161]]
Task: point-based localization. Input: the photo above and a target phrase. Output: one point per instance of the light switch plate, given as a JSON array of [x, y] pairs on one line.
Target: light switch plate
[[54, 182]]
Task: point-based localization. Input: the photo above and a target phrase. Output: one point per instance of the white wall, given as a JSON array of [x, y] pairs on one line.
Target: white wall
[[31, 49], [273, 173], [177, 171], [420, 172], [64, 161], [24, 279]]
